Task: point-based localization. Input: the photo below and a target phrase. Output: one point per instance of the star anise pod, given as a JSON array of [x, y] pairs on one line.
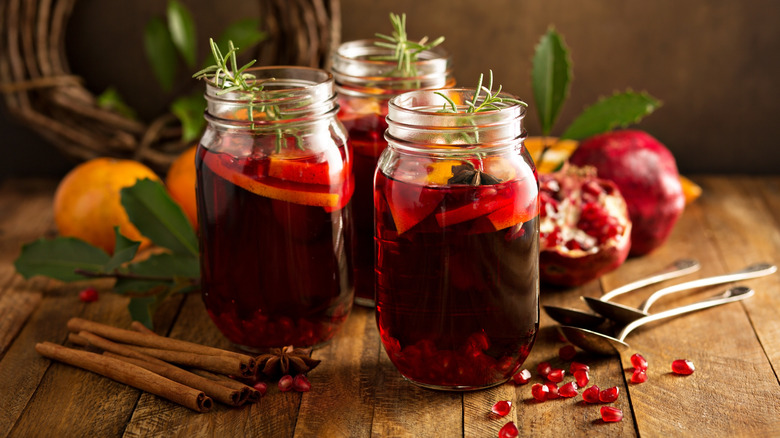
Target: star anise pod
[[466, 173], [286, 360]]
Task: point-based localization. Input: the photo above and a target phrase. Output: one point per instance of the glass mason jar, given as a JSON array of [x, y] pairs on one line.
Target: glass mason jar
[[365, 84], [274, 183], [457, 242]]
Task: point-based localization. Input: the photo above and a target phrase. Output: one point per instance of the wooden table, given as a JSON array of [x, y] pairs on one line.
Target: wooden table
[[357, 392]]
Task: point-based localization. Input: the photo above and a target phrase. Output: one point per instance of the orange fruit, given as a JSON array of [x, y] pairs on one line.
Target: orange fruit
[[691, 190], [180, 182], [558, 152], [87, 201]]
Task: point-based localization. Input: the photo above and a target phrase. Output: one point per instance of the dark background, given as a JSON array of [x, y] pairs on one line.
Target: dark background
[[714, 64]]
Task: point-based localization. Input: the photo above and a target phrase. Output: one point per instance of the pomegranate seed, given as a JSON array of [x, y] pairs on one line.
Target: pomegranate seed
[[609, 395], [639, 376], [610, 414], [285, 383], [508, 431], [522, 377], [552, 391], [261, 387], [567, 352], [682, 366], [556, 375], [502, 408], [569, 390], [539, 391], [591, 395], [582, 377], [88, 295], [301, 383], [543, 369], [639, 362], [578, 366]]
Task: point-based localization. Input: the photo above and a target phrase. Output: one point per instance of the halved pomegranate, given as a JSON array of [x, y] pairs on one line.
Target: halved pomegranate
[[585, 229]]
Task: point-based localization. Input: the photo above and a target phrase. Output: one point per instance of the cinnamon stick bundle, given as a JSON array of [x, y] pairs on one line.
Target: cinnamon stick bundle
[[221, 393], [128, 374], [227, 362]]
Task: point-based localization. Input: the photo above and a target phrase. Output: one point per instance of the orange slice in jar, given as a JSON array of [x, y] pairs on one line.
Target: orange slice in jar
[[410, 204], [306, 171], [480, 207], [511, 215], [247, 182]]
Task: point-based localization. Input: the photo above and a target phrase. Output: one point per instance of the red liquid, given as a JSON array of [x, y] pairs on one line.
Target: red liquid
[[275, 263], [457, 290], [366, 140]]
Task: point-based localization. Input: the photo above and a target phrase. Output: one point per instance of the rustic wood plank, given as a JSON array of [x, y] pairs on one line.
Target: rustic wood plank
[[341, 402], [720, 341]]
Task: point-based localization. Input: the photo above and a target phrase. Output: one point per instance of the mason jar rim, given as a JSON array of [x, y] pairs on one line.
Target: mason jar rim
[[304, 82]]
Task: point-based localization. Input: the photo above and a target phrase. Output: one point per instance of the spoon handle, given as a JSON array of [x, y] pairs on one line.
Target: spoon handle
[[752, 271], [729, 296], [675, 269]]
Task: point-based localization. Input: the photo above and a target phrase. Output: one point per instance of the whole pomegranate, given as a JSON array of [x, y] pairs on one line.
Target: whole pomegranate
[[584, 230], [646, 174]]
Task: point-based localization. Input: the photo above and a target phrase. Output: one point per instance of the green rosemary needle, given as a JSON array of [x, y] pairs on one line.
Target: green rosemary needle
[[490, 102]]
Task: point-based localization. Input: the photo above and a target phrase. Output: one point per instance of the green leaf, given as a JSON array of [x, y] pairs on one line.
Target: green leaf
[[182, 29], [124, 251], [142, 310], [167, 265], [160, 52], [158, 217], [244, 34], [550, 76], [111, 99], [618, 110], [59, 258], [189, 110]]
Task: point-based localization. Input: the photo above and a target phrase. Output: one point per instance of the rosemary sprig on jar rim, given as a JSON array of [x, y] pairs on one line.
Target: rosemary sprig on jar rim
[[405, 52], [227, 76]]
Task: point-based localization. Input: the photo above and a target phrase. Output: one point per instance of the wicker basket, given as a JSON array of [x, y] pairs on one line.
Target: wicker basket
[[39, 89]]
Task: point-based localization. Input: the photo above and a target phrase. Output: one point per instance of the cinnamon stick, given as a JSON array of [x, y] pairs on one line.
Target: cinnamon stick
[[220, 393], [216, 364], [141, 328], [243, 365], [128, 374], [251, 394]]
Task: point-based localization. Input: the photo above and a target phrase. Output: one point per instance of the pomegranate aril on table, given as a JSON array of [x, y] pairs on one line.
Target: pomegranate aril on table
[[543, 369], [575, 366], [285, 383], [567, 352], [639, 362], [610, 414], [582, 377], [552, 391], [556, 375], [609, 395], [568, 390], [522, 377], [502, 408], [260, 387], [683, 367], [539, 391], [508, 431], [88, 295], [639, 376], [591, 395], [301, 383]]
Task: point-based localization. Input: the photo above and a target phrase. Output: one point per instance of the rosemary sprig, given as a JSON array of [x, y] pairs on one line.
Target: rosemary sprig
[[226, 75], [405, 52], [489, 102]]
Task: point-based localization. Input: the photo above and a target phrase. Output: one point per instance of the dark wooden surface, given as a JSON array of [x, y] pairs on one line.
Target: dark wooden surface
[[357, 392]]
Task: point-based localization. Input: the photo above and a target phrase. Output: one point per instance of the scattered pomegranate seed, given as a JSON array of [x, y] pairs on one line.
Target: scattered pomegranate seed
[[582, 377], [556, 375], [88, 295], [552, 391], [301, 383], [575, 366], [682, 366], [261, 387], [539, 391], [285, 383], [609, 395], [639, 376], [502, 408], [543, 369], [522, 377], [639, 362], [610, 414], [591, 395], [569, 390], [567, 352], [508, 431]]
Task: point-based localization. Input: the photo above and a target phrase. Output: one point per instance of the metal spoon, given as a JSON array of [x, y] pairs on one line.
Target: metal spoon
[[624, 314], [602, 344], [582, 318]]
